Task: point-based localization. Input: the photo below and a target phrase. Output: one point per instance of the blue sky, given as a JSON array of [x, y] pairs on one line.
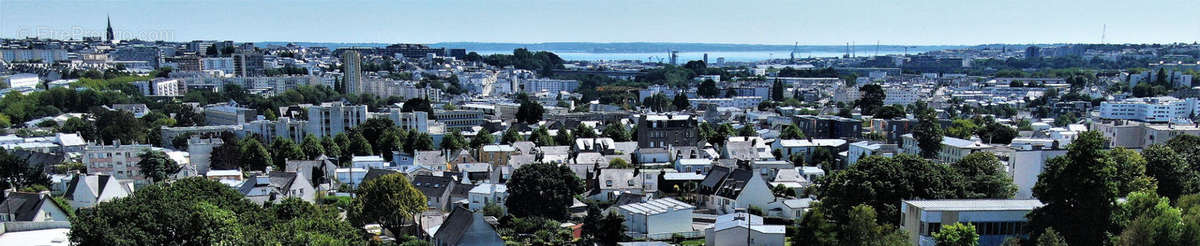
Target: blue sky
[[914, 22]]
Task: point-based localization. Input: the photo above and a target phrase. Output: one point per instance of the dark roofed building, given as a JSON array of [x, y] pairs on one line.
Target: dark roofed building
[[436, 189], [25, 206], [276, 186], [463, 227]]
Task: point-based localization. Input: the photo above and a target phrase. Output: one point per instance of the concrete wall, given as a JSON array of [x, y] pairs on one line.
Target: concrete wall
[[19, 226]]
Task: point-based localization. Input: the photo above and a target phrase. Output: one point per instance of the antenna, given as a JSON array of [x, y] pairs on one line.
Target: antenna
[[1103, 33]]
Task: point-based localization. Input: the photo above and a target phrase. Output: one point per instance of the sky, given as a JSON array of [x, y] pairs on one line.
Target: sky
[[825, 22]]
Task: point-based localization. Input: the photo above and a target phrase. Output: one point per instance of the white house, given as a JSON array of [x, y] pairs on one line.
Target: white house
[[953, 149], [276, 186], [743, 229], [88, 190], [725, 190], [805, 147], [351, 176], [484, 194], [30, 207], [657, 218], [367, 162], [698, 165]]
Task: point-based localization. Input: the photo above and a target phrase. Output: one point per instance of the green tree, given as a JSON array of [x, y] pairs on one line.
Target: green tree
[[421, 141], [777, 91], [872, 98], [1050, 237], [708, 89], [996, 133], [617, 132], [564, 137], [584, 131], [618, 163], [312, 147], [542, 190], [612, 229], [681, 101], [1079, 188], [417, 104], [454, 141], [962, 128], [928, 134], [511, 136], [816, 229], [391, 201], [985, 176], [481, 139], [530, 112], [156, 165], [957, 234], [17, 172], [359, 146], [254, 156], [881, 182], [890, 112], [862, 229], [747, 131], [332, 149], [791, 132], [542, 137], [1170, 170], [283, 150], [658, 103]]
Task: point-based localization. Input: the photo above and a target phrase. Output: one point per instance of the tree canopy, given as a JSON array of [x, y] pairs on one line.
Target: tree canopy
[[542, 190]]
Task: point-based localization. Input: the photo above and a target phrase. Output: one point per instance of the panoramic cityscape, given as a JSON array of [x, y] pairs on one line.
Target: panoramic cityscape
[[636, 123]]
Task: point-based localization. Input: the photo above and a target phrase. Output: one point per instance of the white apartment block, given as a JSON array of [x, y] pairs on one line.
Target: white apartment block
[[418, 120], [1149, 109], [331, 118], [285, 127], [733, 102], [159, 87], [223, 64], [120, 160], [953, 149], [21, 80], [549, 85]]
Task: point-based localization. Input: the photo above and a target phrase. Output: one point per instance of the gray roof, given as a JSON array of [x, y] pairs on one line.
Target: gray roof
[[281, 181], [432, 186], [23, 205], [463, 227]]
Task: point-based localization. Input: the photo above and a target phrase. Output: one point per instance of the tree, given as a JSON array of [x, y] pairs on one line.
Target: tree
[[1079, 188], [584, 131], [861, 229], [791, 132], [254, 156], [985, 176], [511, 136], [777, 90], [542, 190], [708, 89], [359, 146], [616, 131], [962, 128], [481, 139], [618, 163], [530, 112], [872, 98], [16, 172], [816, 229], [657, 103], [957, 234], [681, 101], [542, 137], [421, 141], [747, 131], [283, 150], [996, 133], [454, 141], [228, 155], [564, 137], [391, 201], [1170, 170], [881, 182], [612, 229], [312, 148], [156, 165], [332, 149], [417, 104], [890, 112], [928, 134], [1050, 237]]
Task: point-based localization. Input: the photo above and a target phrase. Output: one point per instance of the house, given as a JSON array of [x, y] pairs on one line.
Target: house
[[697, 165], [594, 145], [432, 159], [804, 147], [554, 154], [790, 178], [367, 162], [88, 190], [653, 155], [741, 150], [726, 189], [862, 149], [474, 172], [464, 227], [791, 209], [770, 169], [811, 173], [497, 154], [591, 158], [232, 178], [657, 219], [276, 186], [995, 219], [375, 173], [743, 229], [30, 207], [486, 193], [316, 171], [611, 183], [525, 147], [953, 149], [436, 190], [351, 176]]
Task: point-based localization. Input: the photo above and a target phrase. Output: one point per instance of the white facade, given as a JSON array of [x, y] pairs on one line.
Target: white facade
[[658, 218], [223, 64], [550, 85], [484, 194], [117, 160], [743, 229], [1150, 109], [329, 119], [159, 87], [21, 80], [863, 149], [368, 162], [731, 102], [952, 150], [994, 220]]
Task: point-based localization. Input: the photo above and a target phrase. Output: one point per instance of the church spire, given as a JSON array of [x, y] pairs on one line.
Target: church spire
[[110, 35]]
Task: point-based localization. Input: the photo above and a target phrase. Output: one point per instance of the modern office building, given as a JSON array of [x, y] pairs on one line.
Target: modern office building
[[459, 119], [994, 220]]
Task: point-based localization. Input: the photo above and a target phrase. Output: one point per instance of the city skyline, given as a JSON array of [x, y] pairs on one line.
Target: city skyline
[[808, 23]]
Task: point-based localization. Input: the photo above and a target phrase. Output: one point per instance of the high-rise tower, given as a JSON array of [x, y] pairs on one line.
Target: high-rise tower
[[352, 64]]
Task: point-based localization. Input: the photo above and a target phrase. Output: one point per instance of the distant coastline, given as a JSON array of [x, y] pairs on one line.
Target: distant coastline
[[647, 47]]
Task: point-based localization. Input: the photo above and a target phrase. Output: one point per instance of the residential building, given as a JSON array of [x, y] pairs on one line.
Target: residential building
[[827, 126], [497, 154], [660, 131], [228, 114], [486, 193], [163, 87], [952, 150], [331, 118], [417, 121], [726, 189], [463, 227], [995, 220], [459, 119], [436, 189], [276, 186], [223, 64], [46, 54], [805, 147], [352, 65], [119, 160], [533, 86], [30, 207], [21, 80], [862, 149], [737, 229], [657, 219], [1149, 109], [85, 191], [285, 127], [612, 182]]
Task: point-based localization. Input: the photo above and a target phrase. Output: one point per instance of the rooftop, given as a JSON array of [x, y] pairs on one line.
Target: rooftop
[[656, 206], [975, 204]]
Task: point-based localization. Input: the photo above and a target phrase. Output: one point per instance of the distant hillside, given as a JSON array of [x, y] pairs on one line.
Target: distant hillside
[[634, 47]]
